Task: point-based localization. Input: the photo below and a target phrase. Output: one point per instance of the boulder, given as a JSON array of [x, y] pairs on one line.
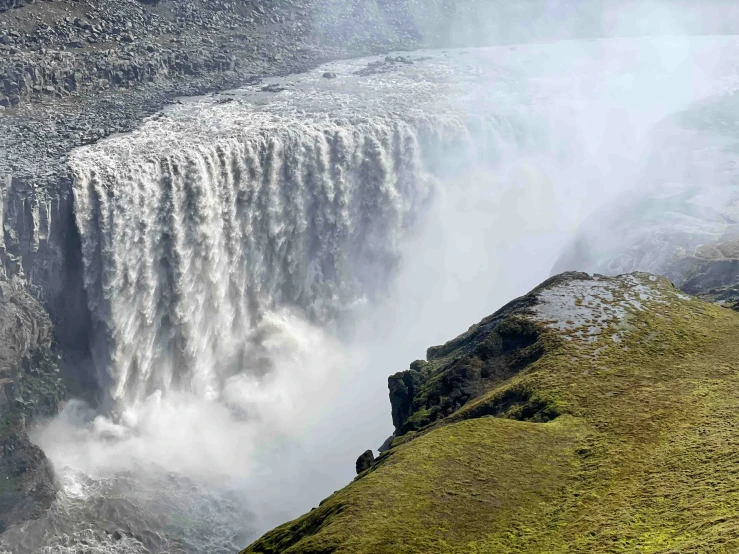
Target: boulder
[[364, 462]]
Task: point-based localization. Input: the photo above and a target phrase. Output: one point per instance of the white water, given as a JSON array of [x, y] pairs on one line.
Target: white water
[[258, 263], [209, 217]]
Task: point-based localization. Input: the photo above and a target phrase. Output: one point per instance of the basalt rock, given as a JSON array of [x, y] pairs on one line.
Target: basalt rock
[[364, 462], [461, 370], [31, 389]]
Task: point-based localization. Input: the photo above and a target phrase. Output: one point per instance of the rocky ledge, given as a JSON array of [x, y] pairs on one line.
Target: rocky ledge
[[594, 414], [30, 390]]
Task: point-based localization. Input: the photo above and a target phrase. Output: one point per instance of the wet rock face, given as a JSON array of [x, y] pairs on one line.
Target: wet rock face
[[30, 389], [39, 246], [28, 487]]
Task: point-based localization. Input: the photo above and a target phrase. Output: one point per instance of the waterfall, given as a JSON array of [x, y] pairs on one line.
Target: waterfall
[[188, 239], [226, 238], [223, 209]]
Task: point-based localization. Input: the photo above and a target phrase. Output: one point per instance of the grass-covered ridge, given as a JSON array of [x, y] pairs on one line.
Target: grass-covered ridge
[[639, 452]]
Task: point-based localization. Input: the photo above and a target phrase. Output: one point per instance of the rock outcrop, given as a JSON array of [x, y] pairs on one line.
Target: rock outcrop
[[364, 462], [461, 370], [30, 389], [594, 414]]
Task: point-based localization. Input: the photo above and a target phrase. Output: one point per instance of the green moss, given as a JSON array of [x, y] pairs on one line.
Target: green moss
[[462, 370], [638, 452]]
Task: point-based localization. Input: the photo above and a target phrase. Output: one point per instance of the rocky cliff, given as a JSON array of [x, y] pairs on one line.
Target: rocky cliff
[[30, 389], [594, 414]]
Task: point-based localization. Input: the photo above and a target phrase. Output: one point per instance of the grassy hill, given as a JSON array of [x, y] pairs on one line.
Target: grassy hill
[[592, 415]]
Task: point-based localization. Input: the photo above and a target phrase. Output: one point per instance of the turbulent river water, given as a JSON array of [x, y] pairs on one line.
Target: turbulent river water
[[258, 262]]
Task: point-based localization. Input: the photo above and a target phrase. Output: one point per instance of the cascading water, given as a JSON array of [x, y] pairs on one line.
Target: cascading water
[[228, 240], [215, 214], [188, 245]]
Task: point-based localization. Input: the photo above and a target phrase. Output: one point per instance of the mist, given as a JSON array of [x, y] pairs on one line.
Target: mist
[[483, 23], [583, 126]]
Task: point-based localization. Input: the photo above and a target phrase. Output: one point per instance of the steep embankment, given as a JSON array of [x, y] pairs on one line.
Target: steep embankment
[[592, 415], [30, 387]]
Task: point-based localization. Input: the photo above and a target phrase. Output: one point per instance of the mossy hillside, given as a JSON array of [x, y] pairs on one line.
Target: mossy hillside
[[643, 458]]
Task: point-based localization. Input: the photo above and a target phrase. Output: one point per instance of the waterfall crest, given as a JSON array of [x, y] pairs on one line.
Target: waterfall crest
[[219, 210], [185, 249], [188, 241]]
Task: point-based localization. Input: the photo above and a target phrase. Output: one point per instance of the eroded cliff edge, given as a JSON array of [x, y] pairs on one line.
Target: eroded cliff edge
[[594, 414], [30, 389]]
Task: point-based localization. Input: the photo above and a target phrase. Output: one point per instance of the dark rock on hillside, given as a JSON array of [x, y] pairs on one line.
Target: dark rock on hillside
[[466, 367], [364, 462], [30, 390], [385, 446]]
